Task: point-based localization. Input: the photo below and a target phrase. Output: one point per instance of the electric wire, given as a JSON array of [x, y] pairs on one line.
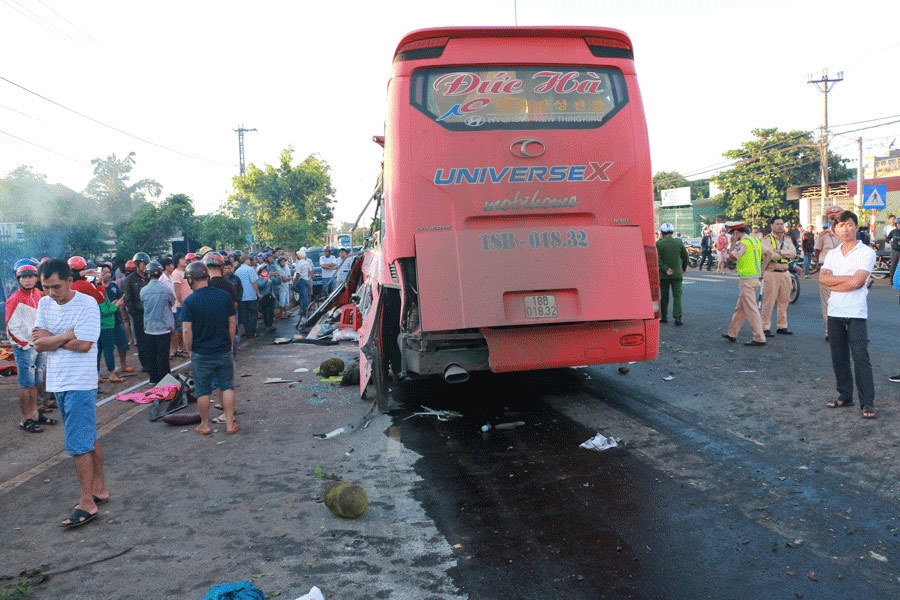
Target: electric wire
[[102, 124], [85, 33], [45, 149], [37, 20]]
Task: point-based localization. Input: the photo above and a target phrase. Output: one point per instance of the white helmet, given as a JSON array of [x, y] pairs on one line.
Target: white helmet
[[301, 253], [666, 228]]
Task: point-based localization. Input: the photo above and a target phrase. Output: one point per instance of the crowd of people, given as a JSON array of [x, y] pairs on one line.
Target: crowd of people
[[70, 317], [842, 255]]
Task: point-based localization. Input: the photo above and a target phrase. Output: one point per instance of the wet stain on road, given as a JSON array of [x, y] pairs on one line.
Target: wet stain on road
[[531, 515]]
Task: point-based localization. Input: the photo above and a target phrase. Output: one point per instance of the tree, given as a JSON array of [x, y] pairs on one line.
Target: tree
[[665, 180], [288, 205], [57, 221], [143, 232], [221, 230], [116, 198], [755, 189]]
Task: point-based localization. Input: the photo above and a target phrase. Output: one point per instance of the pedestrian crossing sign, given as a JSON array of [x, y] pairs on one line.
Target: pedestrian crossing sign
[[874, 196]]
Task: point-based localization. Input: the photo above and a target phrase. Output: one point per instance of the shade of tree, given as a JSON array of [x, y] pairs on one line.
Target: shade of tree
[[117, 198], [755, 188], [665, 180], [289, 205], [57, 221]]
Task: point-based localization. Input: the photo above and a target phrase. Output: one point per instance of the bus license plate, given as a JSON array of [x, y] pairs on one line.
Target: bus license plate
[[540, 307]]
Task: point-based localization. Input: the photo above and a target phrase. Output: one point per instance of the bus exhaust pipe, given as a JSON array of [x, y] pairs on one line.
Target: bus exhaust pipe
[[455, 374]]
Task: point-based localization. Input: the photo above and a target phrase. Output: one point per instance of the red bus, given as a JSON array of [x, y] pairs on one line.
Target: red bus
[[516, 222]]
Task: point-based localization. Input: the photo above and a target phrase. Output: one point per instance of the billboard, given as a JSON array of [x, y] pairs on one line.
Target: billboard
[[676, 197], [12, 232]]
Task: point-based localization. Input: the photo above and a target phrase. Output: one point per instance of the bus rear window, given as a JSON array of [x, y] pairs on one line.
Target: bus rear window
[[530, 97]]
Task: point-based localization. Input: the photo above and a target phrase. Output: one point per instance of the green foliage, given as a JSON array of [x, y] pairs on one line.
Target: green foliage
[[57, 220], [289, 205], [116, 197], [665, 180], [755, 189], [221, 231]]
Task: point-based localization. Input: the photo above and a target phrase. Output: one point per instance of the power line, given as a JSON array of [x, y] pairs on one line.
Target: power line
[[101, 123], [15, 137], [15, 111], [69, 22], [866, 121], [37, 19]]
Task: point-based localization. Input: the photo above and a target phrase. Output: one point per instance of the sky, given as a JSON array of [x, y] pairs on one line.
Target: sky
[[181, 76]]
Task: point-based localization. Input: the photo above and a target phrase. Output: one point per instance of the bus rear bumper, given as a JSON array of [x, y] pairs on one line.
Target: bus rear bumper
[[570, 345]]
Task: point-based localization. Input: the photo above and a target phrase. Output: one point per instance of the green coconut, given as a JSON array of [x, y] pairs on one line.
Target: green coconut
[[346, 500], [331, 367]]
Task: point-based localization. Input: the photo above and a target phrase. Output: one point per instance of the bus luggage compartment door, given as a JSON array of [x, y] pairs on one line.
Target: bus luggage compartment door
[[531, 276]]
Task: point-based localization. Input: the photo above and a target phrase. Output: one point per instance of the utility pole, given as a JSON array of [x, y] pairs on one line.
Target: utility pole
[[824, 85], [240, 131]]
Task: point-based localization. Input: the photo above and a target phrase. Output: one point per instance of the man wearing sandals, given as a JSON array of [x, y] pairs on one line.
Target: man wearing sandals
[[845, 272], [21, 310], [67, 328], [208, 329]]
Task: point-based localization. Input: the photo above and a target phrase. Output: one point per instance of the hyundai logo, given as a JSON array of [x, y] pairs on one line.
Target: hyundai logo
[[527, 148]]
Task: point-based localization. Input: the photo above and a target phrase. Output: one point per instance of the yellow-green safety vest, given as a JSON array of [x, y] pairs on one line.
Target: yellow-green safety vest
[[775, 247], [749, 265]]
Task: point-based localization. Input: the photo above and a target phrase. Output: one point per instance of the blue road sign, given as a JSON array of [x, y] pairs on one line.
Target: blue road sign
[[874, 196]]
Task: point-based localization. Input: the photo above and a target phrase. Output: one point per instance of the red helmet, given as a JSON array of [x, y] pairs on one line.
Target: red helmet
[[190, 256], [129, 266], [213, 259], [26, 269], [76, 263]]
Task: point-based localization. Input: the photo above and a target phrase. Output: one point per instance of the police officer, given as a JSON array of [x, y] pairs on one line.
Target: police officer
[[747, 250], [778, 250], [673, 261]]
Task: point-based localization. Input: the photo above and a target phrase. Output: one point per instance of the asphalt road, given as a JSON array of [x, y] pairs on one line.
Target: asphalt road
[[725, 485], [731, 480]]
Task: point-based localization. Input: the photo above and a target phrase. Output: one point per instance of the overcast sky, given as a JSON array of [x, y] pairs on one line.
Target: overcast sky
[[184, 74]]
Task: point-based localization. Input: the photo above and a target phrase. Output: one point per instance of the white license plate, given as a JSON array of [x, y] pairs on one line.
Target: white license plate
[[541, 307]]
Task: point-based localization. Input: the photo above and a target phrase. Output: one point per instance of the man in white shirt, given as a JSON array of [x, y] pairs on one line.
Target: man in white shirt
[[67, 328], [329, 266], [303, 272], [845, 272]]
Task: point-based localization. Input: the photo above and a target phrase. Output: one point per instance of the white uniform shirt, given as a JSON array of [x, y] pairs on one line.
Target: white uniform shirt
[[849, 305], [68, 370], [304, 268], [328, 260]]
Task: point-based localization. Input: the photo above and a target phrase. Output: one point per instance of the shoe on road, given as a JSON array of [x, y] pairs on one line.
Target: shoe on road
[[754, 343], [729, 338], [768, 333], [894, 378], [678, 322], [784, 331], [663, 320]]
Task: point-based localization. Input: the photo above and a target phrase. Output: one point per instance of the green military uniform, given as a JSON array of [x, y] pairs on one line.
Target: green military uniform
[[672, 255]]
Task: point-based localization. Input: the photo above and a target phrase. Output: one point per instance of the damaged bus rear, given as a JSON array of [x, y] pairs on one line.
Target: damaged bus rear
[[516, 228]]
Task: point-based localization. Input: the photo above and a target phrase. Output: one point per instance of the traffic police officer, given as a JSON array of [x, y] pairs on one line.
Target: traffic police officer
[[778, 249], [748, 252]]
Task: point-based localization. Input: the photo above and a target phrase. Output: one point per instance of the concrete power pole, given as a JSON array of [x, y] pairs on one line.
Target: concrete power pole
[[240, 131], [824, 85]]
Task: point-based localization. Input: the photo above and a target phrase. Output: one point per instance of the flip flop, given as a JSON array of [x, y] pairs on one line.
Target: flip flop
[[220, 420], [31, 426], [78, 518], [45, 420], [197, 429]]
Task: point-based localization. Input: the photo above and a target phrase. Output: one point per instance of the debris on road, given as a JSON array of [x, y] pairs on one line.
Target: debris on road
[[599, 442], [623, 370], [277, 380], [668, 378], [182, 419], [313, 594], [878, 557], [508, 426], [442, 415], [301, 370], [331, 367], [346, 500], [363, 420], [239, 590]]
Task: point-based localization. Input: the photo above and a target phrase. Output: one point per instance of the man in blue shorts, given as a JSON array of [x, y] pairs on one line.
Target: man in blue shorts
[[208, 328], [67, 328]]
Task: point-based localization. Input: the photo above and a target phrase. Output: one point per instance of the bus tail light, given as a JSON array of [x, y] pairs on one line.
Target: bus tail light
[[419, 49], [632, 339], [610, 47], [653, 274]]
